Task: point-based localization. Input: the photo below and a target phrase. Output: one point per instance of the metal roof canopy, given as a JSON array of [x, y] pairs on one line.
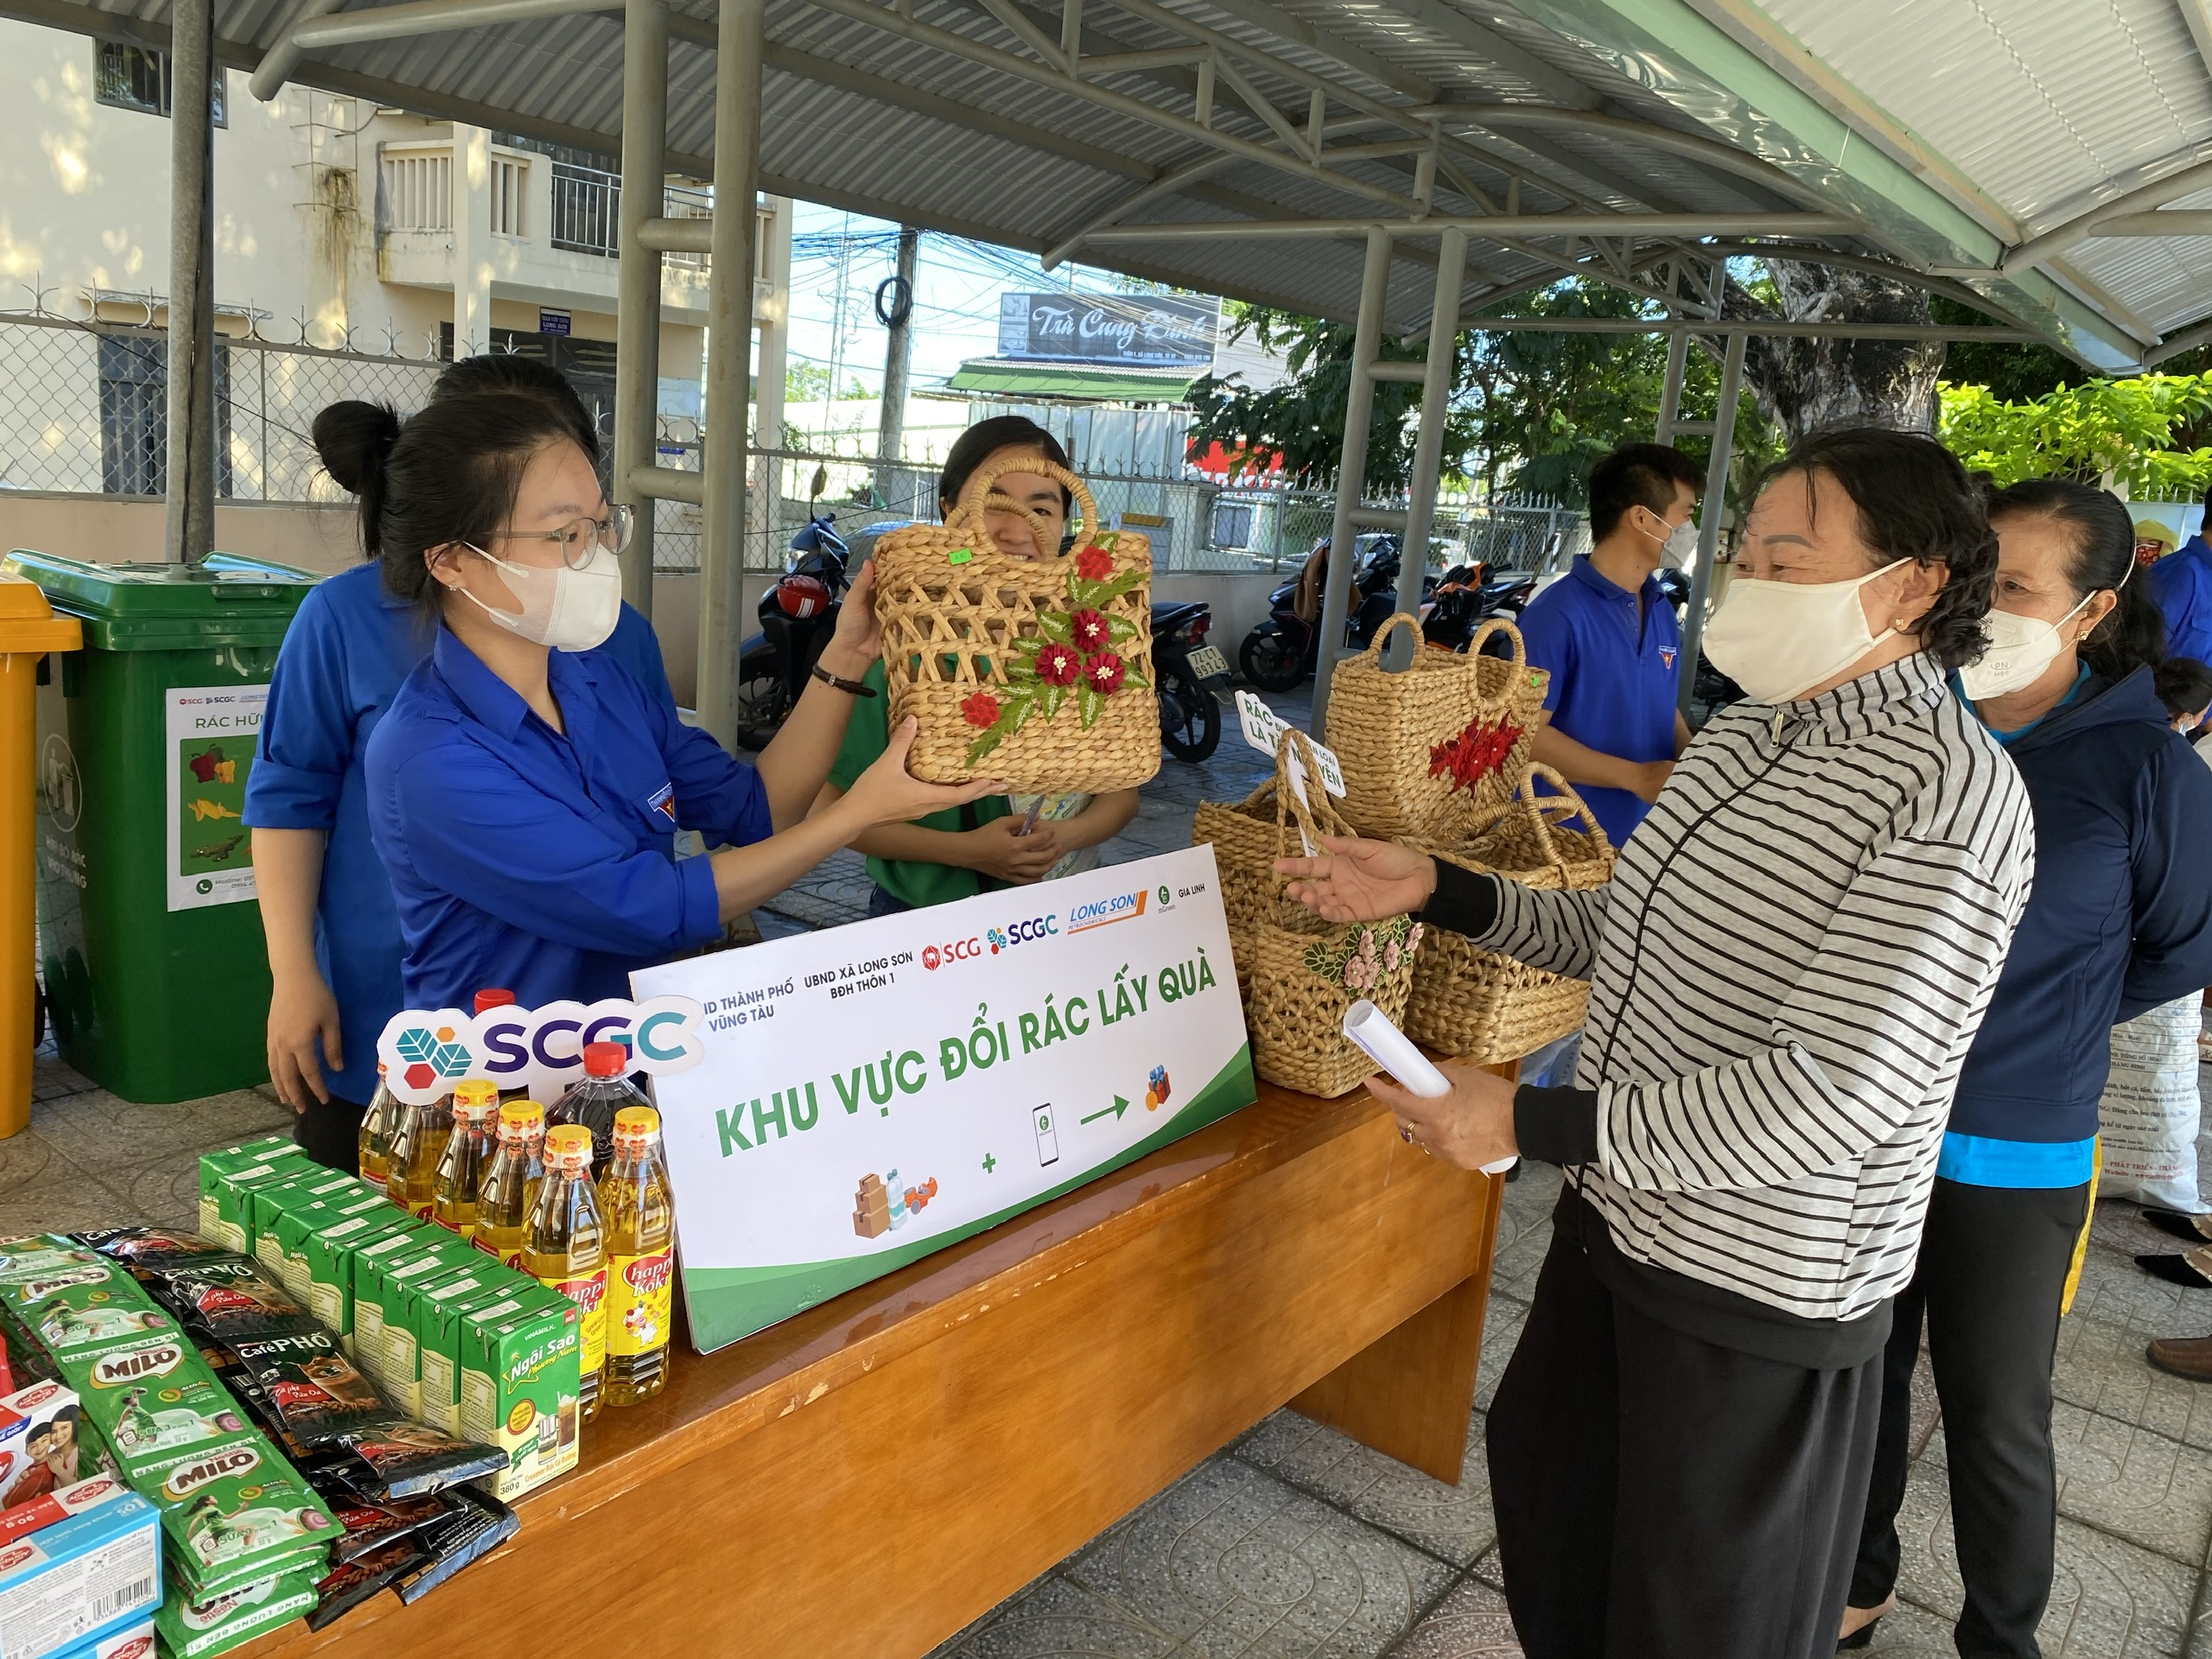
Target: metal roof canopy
[[1450, 145]]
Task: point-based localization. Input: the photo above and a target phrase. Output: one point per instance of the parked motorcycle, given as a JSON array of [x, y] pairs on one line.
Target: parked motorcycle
[[1186, 674], [1467, 596], [1279, 653], [798, 616]]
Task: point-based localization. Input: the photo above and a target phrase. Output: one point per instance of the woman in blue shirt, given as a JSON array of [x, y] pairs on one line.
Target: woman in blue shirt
[[325, 904], [524, 790], [2119, 921]]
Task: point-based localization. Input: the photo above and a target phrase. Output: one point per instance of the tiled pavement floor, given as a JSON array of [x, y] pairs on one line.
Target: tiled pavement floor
[[1295, 1541]]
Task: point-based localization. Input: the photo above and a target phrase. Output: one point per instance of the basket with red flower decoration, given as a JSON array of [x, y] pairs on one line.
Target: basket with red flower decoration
[[1037, 672], [1488, 1008], [1425, 747]]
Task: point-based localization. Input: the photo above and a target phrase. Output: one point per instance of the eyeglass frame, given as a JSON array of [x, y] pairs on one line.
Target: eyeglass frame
[[612, 532]]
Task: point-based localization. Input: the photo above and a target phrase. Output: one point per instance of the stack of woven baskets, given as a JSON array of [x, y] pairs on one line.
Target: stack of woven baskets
[[1434, 754]]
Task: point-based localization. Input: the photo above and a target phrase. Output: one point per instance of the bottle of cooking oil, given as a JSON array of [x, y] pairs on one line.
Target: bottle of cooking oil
[[593, 1098], [460, 1172], [375, 1133], [508, 1191], [428, 1130], [565, 1247], [399, 1140], [640, 1218]]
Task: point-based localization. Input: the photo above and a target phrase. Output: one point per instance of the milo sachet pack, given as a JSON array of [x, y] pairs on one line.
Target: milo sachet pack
[[236, 1512], [154, 1399]]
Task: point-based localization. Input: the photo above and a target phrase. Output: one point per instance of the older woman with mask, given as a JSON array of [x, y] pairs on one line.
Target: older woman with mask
[[2119, 922], [1787, 970]]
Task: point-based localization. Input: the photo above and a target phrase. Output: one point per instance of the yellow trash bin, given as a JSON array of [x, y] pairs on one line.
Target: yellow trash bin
[[29, 629]]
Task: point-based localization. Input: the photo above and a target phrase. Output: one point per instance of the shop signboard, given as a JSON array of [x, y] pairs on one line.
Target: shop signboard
[[870, 1094], [1164, 330]]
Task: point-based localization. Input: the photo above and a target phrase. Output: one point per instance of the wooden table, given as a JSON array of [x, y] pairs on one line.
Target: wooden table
[[871, 1476]]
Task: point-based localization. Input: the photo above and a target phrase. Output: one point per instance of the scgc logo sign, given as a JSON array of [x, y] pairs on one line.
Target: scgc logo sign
[[935, 957], [1036, 927]]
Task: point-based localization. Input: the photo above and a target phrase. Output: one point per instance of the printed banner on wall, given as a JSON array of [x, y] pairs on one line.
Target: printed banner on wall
[[870, 1094], [211, 735]]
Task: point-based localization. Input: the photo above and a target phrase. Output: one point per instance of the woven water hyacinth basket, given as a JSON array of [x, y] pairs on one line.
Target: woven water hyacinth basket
[[1037, 673], [1244, 837], [1487, 1007], [1306, 972], [1425, 747]]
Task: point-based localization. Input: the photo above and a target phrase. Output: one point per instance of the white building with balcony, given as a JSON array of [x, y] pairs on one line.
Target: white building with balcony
[[339, 225]]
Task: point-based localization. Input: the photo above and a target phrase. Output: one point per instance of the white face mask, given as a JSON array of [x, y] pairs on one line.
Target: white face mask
[[1778, 639], [569, 610], [2020, 648], [1678, 547]]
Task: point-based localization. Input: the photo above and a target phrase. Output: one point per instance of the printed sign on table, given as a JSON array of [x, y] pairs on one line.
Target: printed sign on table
[[870, 1094], [212, 734]]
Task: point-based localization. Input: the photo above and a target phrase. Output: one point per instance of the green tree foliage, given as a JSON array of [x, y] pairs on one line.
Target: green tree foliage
[[1529, 410], [808, 383], [2145, 432]]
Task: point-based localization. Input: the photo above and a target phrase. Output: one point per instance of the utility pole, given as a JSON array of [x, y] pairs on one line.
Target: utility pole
[[190, 438], [898, 318], [837, 321]]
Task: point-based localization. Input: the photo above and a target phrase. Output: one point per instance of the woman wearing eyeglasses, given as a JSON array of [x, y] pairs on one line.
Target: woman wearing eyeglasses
[[325, 904], [524, 790]]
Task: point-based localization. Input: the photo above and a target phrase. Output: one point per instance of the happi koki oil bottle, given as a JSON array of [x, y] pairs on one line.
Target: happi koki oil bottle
[[430, 1128], [640, 1220], [593, 1098], [508, 1192], [565, 1248], [468, 1153], [375, 1133]]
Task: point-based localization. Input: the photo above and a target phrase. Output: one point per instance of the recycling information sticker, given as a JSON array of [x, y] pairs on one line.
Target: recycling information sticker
[[211, 735], [875, 1092]]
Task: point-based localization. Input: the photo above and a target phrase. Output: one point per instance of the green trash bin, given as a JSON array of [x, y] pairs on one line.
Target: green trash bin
[[156, 976]]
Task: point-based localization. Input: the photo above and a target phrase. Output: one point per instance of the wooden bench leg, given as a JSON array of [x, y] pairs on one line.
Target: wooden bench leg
[[1410, 1393]]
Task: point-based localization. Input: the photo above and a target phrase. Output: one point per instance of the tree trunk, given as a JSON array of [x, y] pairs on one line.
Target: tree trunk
[[1809, 385]]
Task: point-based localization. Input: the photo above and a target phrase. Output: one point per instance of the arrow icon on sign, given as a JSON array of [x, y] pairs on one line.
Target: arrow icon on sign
[[1121, 1104]]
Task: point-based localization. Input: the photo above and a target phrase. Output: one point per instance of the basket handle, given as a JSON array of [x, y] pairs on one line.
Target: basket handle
[[1318, 818], [1497, 624], [1373, 655], [977, 496], [1541, 812]]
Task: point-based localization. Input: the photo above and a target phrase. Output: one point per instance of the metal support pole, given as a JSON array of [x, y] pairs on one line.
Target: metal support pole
[[729, 363], [190, 440], [1709, 515], [1352, 471], [1670, 395], [637, 306], [897, 358], [774, 316], [1428, 447]]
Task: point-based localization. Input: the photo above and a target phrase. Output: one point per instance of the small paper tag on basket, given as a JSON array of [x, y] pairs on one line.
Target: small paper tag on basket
[[960, 556], [1263, 730]]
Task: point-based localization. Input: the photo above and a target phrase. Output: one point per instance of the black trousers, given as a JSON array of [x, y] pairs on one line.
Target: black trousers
[[330, 1133], [1992, 1266], [1661, 1497]]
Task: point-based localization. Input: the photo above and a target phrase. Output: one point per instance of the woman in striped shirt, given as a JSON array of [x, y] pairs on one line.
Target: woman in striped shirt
[[1786, 971]]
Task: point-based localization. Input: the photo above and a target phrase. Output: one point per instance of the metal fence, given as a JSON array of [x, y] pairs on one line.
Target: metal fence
[[84, 411], [587, 211]]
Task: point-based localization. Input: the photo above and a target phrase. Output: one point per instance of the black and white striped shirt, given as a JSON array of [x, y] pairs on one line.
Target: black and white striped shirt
[[1795, 952]]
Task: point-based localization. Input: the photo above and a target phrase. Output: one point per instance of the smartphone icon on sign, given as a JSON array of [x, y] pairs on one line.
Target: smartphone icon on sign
[[1048, 1138]]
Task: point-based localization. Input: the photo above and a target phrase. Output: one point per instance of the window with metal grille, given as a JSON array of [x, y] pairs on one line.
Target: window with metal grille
[[508, 178], [417, 190], [127, 77], [1232, 524], [134, 415]]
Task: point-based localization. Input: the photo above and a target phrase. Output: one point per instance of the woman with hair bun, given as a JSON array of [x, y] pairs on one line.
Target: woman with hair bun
[[524, 789], [2119, 922], [327, 907]]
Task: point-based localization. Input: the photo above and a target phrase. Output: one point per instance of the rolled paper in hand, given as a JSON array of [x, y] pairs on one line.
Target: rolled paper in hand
[[1391, 1049]]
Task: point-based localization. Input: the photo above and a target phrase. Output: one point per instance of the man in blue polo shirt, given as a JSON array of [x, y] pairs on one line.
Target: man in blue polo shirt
[[1610, 640], [2181, 583]]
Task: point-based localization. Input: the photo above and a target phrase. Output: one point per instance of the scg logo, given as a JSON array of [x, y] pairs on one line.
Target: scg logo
[[1036, 927], [936, 956]]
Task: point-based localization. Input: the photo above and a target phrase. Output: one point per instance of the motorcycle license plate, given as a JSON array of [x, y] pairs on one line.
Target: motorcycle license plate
[[1207, 663]]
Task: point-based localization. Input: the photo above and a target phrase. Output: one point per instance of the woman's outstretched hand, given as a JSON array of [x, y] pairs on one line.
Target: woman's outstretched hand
[[888, 794], [1357, 880]]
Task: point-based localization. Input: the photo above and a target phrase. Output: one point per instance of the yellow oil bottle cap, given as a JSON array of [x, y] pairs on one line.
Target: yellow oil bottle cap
[[568, 1144], [522, 1114], [637, 1122], [475, 1091]]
